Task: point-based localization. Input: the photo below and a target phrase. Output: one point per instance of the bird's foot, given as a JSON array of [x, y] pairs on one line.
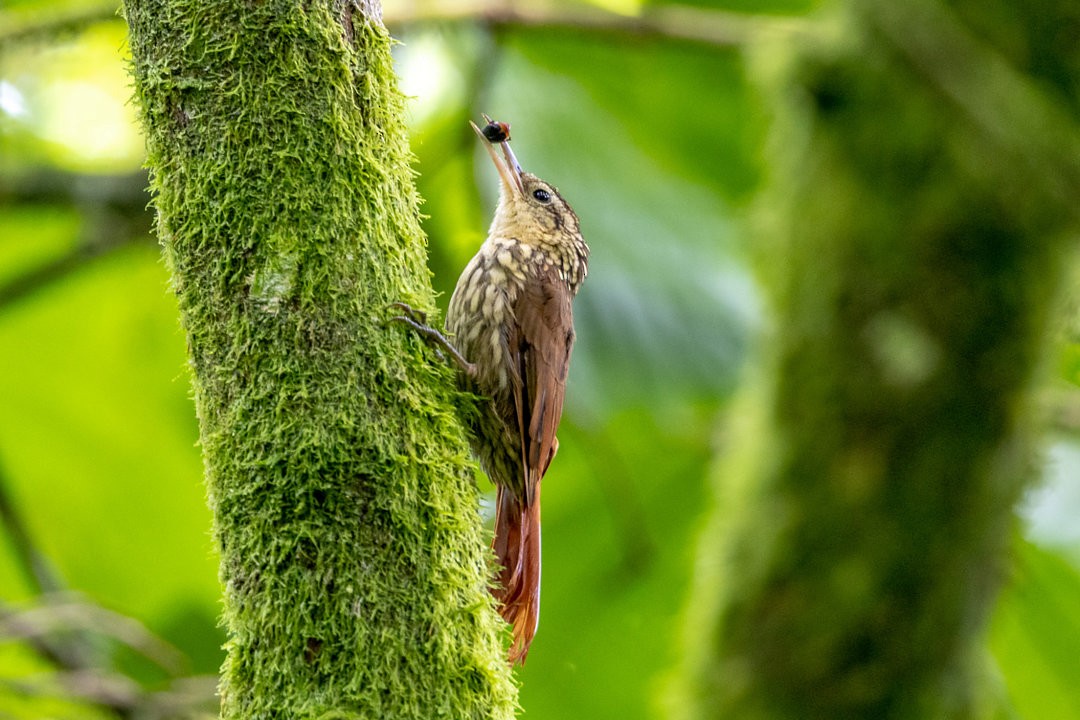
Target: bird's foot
[[417, 320], [417, 316]]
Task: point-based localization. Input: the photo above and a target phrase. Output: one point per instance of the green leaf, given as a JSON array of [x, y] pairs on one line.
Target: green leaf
[[98, 438], [1035, 634], [1069, 362]]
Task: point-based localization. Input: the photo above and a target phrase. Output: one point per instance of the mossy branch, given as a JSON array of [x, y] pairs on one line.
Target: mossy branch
[[352, 555], [862, 519]]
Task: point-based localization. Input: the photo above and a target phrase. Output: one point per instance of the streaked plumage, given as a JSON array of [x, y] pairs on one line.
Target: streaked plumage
[[510, 317]]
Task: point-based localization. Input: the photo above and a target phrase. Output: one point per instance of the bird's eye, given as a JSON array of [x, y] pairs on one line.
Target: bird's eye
[[542, 195]]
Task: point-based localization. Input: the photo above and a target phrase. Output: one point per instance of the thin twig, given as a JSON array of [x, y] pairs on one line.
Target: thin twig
[[188, 697], [23, 27], [31, 561], [111, 690], [68, 653], [51, 271], [67, 612], [711, 27], [114, 210]]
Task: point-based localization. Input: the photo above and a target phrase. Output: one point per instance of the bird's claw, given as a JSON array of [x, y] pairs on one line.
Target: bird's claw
[[417, 320], [411, 313]]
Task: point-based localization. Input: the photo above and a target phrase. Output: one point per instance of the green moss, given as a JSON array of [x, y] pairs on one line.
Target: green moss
[[862, 520], [345, 513]]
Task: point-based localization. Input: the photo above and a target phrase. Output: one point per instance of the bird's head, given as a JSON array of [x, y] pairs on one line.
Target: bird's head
[[530, 209]]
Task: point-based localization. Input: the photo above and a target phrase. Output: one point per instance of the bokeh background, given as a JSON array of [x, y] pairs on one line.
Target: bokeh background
[[651, 125]]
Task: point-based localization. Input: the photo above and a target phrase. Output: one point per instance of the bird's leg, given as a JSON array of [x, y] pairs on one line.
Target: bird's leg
[[417, 320]]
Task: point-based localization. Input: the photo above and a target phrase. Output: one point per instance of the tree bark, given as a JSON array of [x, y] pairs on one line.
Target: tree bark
[[922, 193], [352, 555]]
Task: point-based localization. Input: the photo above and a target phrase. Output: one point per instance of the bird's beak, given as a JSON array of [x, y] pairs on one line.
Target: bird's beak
[[509, 170]]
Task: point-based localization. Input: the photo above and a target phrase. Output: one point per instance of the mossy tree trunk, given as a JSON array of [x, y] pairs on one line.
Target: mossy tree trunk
[[924, 189], [345, 513]]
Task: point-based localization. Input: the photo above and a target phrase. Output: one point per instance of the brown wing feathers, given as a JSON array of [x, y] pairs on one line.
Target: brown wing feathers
[[539, 344], [545, 324]]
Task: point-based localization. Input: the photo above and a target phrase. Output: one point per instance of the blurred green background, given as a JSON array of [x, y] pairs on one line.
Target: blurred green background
[[656, 140]]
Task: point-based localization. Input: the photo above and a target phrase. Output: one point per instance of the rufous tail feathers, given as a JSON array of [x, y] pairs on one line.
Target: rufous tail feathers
[[517, 548]]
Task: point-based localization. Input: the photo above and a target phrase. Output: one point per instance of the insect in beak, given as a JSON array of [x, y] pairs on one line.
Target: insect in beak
[[507, 166]]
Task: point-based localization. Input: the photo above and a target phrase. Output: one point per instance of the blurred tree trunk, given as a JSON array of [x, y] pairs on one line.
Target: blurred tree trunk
[[352, 554], [924, 187]]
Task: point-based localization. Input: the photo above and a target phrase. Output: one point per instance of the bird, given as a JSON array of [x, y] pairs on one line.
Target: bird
[[510, 329]]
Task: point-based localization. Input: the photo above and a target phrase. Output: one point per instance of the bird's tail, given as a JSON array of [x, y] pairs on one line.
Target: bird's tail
[[517, 547]]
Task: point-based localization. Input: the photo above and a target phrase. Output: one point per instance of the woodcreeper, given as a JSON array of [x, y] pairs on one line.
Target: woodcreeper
[[510, 328]]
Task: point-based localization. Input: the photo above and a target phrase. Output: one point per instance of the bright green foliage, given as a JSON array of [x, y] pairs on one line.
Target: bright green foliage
[[655, 142], [1035, 633], [860, 533], [344, 508]]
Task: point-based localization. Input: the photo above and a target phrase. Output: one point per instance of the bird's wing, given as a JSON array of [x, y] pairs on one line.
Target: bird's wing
[[539, 346]]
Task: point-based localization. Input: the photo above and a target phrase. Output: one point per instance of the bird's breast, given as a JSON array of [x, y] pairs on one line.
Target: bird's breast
[[482, 307]]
